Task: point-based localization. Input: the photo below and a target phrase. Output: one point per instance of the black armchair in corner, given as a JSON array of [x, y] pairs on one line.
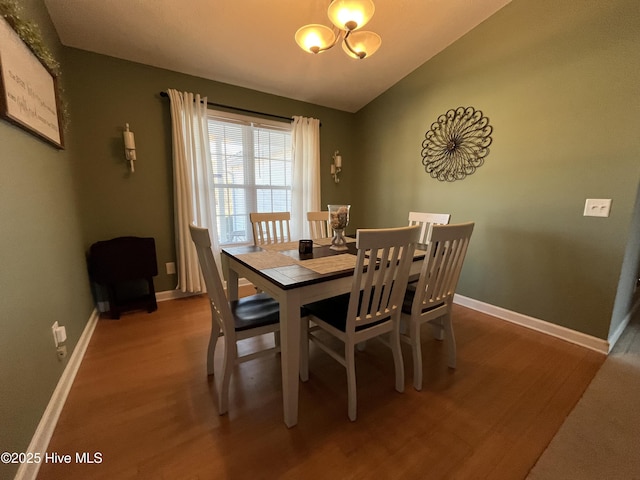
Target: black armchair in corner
[[125, 266]]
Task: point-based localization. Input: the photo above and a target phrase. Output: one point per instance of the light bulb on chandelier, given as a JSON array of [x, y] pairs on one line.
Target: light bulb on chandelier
[[347, 16]]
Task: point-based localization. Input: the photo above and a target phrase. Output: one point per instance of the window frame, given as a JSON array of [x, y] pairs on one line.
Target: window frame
[[249, 161]]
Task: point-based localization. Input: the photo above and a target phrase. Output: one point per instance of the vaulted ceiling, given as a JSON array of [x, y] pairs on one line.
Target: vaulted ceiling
[[250, 43]]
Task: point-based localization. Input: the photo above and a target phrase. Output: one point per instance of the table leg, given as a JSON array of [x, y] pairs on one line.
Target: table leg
[[290, 355], [232, 281]]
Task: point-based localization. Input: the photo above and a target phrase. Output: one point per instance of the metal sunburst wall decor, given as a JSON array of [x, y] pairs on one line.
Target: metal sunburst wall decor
[[457, 144]]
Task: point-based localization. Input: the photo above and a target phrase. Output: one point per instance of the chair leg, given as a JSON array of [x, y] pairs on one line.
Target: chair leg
[[416, 348], [437, 330], [213, 340], [351, 379], [304, 349], [397, 358], [276, 338], [404, 326], [451, 340], [223, 386]]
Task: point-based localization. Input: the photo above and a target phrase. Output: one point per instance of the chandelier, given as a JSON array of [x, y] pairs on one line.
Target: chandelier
[[347, 16]]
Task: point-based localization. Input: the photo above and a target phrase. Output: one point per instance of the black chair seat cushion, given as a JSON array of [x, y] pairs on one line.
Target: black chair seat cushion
[[334, 312], [409, 294], [255, 311]]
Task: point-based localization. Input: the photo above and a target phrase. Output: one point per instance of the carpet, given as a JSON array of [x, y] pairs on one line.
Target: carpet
[[600, 438]]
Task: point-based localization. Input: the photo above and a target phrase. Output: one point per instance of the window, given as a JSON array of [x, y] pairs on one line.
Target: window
[[251, 163]]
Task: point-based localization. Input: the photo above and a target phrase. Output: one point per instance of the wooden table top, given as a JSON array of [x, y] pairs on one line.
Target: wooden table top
[[289, 269]]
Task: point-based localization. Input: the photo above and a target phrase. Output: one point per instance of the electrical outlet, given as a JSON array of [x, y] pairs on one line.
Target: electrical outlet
[[597, 207], [61, 351], [171, 268]]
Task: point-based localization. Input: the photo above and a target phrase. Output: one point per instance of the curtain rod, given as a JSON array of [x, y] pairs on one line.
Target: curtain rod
[[211, 104]]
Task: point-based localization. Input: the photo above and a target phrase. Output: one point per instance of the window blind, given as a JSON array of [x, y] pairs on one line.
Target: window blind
[[251, 162]]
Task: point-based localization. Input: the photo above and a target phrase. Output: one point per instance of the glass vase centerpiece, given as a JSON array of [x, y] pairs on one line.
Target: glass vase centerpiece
[[338, 221]]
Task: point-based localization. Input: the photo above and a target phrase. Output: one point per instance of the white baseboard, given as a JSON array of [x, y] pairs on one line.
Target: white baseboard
[[42, 435], [573, 336], [615, 336], [578, 338], [173, 295], [103, 306]]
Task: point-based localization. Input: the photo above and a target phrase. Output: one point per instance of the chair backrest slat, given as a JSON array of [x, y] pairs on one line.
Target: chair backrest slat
[[319, 226], [215, 290], [442, 265], [271, 227], [381, 274], [426, 222]]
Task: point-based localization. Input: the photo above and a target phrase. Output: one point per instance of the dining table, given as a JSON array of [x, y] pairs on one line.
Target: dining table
[[294, 280]]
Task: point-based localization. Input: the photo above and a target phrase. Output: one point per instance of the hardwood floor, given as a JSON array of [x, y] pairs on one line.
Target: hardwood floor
[[142, 400]]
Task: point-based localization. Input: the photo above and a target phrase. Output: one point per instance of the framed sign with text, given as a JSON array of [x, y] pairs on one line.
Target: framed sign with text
[[28, 90]]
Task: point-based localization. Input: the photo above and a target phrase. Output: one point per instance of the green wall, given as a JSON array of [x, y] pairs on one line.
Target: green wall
[[559, 84], [42, 269], [105, 93]]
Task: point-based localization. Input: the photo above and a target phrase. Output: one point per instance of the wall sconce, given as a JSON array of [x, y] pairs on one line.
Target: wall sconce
[[129, 147], [336, 166]]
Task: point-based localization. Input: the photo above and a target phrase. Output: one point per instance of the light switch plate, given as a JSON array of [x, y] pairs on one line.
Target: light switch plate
[[597, 207], [59, 333]]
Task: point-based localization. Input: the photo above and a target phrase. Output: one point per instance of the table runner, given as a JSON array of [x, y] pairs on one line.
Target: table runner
[[270, 257], [280, 247], [330, 264], [266, 259]]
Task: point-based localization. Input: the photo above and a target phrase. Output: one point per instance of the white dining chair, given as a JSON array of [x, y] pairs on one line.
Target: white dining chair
[[426, 222], [234, 321], [430, 300], [372, 308], [319, 224], [270, 227]]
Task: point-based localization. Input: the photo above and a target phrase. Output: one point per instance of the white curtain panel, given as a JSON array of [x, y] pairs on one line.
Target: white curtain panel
[[305, 197], [191, 185]]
